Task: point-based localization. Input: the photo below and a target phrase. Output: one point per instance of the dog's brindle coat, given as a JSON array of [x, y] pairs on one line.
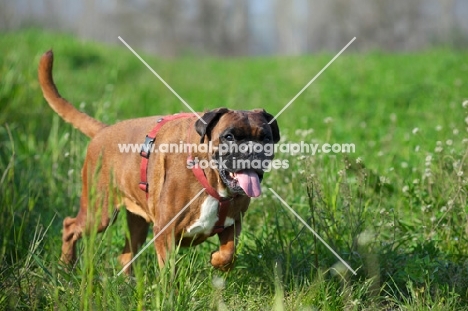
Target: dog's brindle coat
[[111, 178]]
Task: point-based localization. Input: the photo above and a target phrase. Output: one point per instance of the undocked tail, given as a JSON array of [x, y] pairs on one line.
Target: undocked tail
[[86, 124]]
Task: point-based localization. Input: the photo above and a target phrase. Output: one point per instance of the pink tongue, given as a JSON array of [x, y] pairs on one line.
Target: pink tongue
[[249, 182]]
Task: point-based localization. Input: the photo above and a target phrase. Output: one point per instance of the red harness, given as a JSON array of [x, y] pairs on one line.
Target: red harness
[[223, 202]]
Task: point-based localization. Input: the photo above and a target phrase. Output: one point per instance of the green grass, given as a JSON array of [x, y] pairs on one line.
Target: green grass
[[396, 210]]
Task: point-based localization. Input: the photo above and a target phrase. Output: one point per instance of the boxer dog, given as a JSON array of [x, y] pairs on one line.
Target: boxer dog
[[154, 187]]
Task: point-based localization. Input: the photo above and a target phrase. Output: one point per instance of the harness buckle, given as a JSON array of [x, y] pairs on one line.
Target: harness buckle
[[143, 186], [147, 146]]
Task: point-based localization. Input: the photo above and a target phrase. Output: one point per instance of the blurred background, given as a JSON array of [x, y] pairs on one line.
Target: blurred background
[[396, 210], [249, 27]]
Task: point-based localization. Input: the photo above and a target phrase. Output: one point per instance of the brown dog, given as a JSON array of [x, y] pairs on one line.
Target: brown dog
[[171, 180]]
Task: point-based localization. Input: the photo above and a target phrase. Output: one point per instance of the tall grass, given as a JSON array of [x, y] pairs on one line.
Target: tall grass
[[395, 210]]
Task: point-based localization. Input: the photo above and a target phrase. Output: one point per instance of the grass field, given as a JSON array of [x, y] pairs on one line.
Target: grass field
[[395, 210]]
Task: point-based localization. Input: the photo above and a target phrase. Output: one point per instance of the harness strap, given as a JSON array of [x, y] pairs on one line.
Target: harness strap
[[148, 147], [223, 202]]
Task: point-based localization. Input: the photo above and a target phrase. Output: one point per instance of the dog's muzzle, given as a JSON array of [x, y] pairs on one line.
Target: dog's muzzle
[[242, 171]]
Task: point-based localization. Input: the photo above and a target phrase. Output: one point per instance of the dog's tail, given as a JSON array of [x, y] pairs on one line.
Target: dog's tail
[[86, 124]]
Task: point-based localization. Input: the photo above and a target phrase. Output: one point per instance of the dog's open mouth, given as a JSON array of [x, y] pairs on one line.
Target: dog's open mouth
[[244, 181]]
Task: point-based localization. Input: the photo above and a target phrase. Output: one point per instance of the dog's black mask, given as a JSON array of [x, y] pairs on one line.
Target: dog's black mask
[[245, 148]]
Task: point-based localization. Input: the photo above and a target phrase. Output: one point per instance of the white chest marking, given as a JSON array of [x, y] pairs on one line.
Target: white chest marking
[[229, 221], [207, 220]]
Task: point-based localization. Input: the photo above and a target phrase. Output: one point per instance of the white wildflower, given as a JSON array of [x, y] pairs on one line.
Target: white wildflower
[[328, 120], [384, 180], [365, 238], [218, 282]]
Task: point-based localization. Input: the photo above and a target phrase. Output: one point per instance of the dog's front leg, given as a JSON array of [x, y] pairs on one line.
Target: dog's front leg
[[225, 257], [163, 244]]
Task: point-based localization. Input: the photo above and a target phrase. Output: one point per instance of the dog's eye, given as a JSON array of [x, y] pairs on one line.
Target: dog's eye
[[229, 137]]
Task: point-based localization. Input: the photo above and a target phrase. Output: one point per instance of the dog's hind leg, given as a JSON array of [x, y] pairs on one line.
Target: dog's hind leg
[[73, 229], [138, 228], [85, 220], [72, 232], [69, 238]]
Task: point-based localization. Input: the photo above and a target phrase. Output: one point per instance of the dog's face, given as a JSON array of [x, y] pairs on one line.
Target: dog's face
[[244, 144]]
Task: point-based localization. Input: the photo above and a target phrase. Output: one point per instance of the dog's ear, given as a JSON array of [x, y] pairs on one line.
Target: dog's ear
[[211, 118], [274, 125]]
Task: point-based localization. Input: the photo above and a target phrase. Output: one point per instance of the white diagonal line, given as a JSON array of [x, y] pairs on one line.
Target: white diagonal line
[[161, 79], [160, 232], [311, 81], [313, 231]]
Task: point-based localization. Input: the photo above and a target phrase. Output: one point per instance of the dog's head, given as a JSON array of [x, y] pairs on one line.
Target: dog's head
[[244, 142]]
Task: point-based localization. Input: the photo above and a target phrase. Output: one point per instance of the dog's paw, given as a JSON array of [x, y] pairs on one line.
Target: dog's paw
[[222, 261]]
